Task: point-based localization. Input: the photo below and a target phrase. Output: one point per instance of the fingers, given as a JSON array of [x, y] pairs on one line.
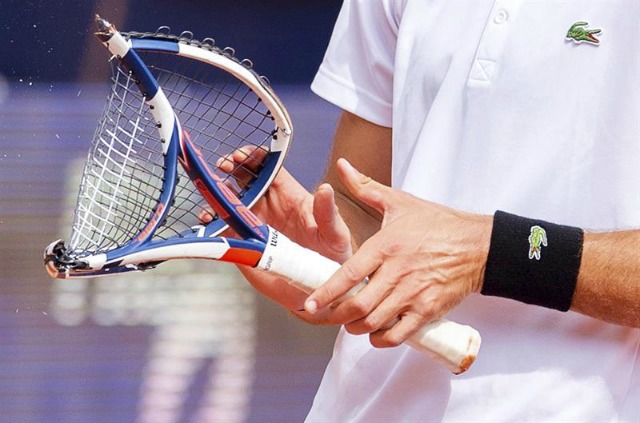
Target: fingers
[[206, 215], [243, 164], [369, 257], [371, 308], [332, 230], [395, 335], [393, 290], [274, 287], [282, 292], [353, 271], [316, 319], [365, 189], [234, 164], [383, 300], [249, 157], [325, 210]]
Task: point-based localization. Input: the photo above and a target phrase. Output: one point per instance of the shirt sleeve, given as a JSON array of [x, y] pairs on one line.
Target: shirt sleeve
[[356, 73]]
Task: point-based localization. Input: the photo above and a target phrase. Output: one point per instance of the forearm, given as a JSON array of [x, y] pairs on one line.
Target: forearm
[[368, 147], [362, 223], [608, 285]]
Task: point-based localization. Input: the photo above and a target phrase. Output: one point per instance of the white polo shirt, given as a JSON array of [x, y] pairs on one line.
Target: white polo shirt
[[493, 108]]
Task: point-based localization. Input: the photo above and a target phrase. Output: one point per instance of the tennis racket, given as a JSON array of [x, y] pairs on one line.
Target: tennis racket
[[175, 106]]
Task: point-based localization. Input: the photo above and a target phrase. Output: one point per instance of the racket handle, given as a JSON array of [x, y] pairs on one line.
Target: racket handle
[[453, 345]]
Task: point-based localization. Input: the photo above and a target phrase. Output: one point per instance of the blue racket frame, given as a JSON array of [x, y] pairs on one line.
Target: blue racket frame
[[178, 148]]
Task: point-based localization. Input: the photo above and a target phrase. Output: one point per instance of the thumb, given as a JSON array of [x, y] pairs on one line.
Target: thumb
[[365, 189]]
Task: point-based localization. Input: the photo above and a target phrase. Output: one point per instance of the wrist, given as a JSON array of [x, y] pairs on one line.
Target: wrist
[[482, 250], [533, 261]]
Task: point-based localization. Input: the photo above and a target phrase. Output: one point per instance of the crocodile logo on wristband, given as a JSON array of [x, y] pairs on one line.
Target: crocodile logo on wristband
[[537, 239]]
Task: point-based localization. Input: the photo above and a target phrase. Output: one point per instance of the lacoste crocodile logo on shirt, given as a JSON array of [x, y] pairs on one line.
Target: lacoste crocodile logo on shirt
[[578, 33]]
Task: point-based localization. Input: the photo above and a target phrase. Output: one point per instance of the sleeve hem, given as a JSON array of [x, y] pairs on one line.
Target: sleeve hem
[[348, 97]]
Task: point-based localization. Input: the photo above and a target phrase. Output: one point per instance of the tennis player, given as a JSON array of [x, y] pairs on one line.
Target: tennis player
[[510, 133]]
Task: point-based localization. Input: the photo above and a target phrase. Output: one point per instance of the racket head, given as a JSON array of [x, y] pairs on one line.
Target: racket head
[[133, 194]]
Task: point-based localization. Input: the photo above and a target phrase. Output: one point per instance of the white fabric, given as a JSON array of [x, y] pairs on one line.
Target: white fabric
[[492, 108]]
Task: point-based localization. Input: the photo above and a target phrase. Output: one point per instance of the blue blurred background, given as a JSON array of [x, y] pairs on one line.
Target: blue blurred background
[[188, 342]]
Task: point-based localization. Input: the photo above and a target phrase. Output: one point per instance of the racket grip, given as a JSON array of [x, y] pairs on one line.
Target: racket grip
[[453, 345]]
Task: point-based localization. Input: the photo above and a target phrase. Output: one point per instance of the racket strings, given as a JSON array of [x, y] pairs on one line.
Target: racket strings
[[212, 107], [220, 113], [143, 179], [124, 172]]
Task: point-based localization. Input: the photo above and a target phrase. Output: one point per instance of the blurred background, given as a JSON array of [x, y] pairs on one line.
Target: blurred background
[[190, 341]]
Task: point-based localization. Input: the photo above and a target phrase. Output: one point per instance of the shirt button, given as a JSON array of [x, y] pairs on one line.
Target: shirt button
[[501, 17]]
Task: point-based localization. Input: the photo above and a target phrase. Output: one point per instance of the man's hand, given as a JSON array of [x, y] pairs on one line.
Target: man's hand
[[425, 260], [310, 220]]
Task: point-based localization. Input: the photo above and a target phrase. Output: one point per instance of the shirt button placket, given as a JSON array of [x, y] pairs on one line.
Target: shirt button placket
[[491, 44]]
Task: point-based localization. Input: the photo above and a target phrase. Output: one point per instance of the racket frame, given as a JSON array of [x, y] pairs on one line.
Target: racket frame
[[201, 241]]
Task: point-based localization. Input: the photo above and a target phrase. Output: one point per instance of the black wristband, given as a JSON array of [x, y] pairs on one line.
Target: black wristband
[[533, 261]]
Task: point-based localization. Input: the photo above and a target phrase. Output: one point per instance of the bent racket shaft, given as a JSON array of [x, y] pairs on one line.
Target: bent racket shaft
[[451, 344]]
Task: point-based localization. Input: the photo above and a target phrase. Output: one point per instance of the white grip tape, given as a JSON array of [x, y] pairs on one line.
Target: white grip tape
[[306, 269], [453, 345]]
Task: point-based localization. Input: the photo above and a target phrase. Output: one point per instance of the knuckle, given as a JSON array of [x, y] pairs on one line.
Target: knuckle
[[376, 341], [392, 339], [371, 323], [354, 329], [391, 249], [430, 309], [385, 340], [324, 293], [350, 272], [358, 307], [328, 293]]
